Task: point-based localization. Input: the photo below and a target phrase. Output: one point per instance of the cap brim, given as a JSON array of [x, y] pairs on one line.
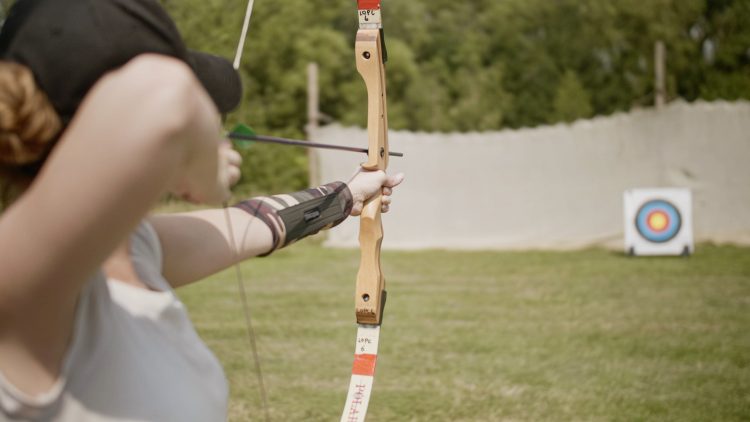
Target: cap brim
[[219, 78]]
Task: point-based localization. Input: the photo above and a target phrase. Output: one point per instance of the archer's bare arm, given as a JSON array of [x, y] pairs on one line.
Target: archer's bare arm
[[141, 131], [198, 244]]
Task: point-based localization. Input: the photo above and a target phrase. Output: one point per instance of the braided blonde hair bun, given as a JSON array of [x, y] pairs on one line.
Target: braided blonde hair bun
[[28, 122]]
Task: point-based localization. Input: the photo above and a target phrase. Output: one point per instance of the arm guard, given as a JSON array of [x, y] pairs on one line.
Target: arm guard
[[297, 215]]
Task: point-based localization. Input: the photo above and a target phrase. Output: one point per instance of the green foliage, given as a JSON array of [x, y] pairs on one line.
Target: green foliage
[[728, 74], [473, 64], [572, 101], [268, 169]]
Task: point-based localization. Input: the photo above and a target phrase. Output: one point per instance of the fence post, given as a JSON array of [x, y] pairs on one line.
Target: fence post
[[660, 91], [313, 119]]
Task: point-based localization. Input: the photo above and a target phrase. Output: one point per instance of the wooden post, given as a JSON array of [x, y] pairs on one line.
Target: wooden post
[[313, 119], [660, 91]]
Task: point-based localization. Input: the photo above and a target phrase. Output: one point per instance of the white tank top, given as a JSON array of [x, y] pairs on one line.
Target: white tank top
[[135, 356]]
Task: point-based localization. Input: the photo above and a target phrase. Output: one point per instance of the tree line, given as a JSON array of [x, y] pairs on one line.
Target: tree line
[[479, 64], [468, 65], [471, 65]]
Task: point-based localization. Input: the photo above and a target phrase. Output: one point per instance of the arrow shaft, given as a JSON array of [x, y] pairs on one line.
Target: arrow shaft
[[306, 144]]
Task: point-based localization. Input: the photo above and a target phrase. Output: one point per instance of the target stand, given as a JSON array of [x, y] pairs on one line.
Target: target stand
[[658, 222]]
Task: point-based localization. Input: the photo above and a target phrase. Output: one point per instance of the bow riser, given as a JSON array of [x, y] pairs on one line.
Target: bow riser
[[370, 281]]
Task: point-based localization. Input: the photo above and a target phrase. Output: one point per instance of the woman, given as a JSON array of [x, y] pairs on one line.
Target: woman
[[102, 111]]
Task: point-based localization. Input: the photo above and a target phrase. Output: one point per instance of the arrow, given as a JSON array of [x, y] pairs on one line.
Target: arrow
[[283, 141]]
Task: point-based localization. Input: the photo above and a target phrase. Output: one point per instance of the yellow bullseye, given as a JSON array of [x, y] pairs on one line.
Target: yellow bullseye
[[658, 221]]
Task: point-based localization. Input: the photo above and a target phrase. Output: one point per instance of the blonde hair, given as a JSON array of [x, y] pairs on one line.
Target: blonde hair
[[28, 122], [29, 127]]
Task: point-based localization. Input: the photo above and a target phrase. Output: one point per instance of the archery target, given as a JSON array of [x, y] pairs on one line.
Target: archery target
[[658, 222]]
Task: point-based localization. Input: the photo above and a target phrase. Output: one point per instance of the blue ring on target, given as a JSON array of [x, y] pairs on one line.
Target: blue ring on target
[[667, 211]]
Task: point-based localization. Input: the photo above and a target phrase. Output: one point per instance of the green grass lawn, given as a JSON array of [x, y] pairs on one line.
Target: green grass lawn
[[493, 336]]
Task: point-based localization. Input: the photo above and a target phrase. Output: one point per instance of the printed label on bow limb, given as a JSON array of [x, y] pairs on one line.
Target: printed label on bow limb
[[367, 340], [364, 365], [369, 17], [358, 399], [363, 370]]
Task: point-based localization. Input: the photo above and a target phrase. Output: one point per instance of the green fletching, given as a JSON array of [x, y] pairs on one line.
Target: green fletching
[[244, 130]]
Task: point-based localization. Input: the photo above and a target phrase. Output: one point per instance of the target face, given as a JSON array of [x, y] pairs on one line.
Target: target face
[[658, 221]]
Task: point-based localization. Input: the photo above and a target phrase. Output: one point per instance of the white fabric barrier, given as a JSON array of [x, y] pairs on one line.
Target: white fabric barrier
[[557, 187]]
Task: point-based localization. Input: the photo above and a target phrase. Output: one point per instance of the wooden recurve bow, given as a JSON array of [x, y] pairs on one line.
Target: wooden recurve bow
[[370, 294], [370, 291]]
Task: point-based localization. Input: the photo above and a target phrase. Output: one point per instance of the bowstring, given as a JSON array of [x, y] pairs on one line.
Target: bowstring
[[243, 35], [235, 248], [248, 320]]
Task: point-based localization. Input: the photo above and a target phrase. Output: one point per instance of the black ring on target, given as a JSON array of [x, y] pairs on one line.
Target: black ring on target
[[658, 221]]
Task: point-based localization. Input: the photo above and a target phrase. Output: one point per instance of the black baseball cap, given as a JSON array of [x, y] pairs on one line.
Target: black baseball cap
[[70, 44]]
